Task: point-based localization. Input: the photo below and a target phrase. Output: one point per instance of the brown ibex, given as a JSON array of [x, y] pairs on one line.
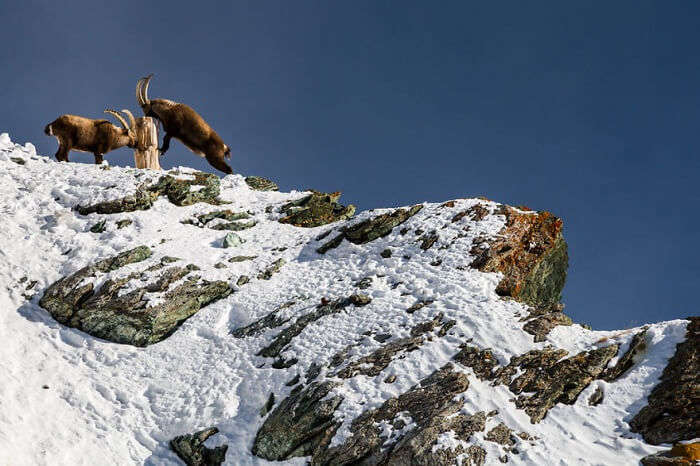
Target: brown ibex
[[180, 121], [87, 135]]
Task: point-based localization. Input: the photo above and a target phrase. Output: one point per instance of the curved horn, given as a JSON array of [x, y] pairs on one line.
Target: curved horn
[[132, 120], [139, 99], [118, 117], [144, 89]]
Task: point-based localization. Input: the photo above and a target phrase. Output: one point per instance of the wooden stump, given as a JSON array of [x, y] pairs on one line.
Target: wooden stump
[[146, 152]]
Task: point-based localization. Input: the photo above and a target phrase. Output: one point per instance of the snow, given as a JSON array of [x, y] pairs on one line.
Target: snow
[[117, 404]]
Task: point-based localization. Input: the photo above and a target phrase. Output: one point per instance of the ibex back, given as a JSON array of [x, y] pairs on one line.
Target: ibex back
[[180, 121]]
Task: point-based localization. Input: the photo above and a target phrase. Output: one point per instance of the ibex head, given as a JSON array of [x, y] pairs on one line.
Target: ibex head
[[128, 129]]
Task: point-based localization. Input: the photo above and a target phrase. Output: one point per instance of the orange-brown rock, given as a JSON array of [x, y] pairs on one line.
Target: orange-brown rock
[[531, 253]]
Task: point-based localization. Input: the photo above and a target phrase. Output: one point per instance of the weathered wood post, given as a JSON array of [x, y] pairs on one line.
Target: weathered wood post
[[146, 152]]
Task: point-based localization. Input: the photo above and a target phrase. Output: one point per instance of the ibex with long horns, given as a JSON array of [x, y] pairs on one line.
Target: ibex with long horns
[[87, 135], [180, 121]]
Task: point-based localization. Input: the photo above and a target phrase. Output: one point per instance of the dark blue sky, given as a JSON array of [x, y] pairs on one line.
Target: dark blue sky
[[588, 109]]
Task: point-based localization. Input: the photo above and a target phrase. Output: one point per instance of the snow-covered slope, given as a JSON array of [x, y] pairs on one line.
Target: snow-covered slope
[[69, 398]]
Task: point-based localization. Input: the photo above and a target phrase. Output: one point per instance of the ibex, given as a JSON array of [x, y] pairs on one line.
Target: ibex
[[87, 135], [180, 121]]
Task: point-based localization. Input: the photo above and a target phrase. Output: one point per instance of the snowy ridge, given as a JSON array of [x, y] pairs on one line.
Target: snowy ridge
[[118, 404]]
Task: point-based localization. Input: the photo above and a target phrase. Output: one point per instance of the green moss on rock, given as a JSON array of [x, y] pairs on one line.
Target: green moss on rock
[[315, 210], [125, 318]]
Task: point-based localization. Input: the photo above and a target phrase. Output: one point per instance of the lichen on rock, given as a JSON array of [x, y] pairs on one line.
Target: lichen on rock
[[673, 410], [532, 255], [315, 210], [371, 229], [191, 449], [259, 183], [126, 318], [178, 191]]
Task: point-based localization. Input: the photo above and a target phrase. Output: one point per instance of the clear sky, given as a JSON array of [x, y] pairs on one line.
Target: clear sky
[[590, 110]]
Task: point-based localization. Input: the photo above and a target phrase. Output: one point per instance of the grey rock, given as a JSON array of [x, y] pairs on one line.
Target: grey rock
[[272, 269], [232, 240], [259, 183], [371, 229], [103, 313], [190, 448], [673, 410]]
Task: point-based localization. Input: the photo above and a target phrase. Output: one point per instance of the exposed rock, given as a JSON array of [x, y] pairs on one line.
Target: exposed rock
[[596, 397], [364, 283], [232, 240], [371, 229], [272, 269], [285, 337], [99, 227], [679, 455], [418, 305], [502, 435], [259, 326], [268, 405], [637, 346], [483, 362], [428, 240], [532, 255], [386, 253], [541, 326], [430, 406], [179, 191], [176, 190], [234, 226], [123, 223], [300, 424], [315, 210], [142, 199], [18, 160], [73, 301], [673, 410], [546, 380], [259, 183], [242, 280], [374, 363], [190, 448], [241, 258], [231, 218]]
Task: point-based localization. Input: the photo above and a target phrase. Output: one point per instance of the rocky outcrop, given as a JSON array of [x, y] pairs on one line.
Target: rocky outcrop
[[300, 424], [142, 199], [374, 363], [315, 210], [230, 220], [259, 183], [303, 424], [637, 346], [673, 410], [430, 405], [178, 191], [190, 448], [122, 315], [541, 324], [544, 380], [285, 337], [532, 255], [371, 229], [541, 378], [679, 455]]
